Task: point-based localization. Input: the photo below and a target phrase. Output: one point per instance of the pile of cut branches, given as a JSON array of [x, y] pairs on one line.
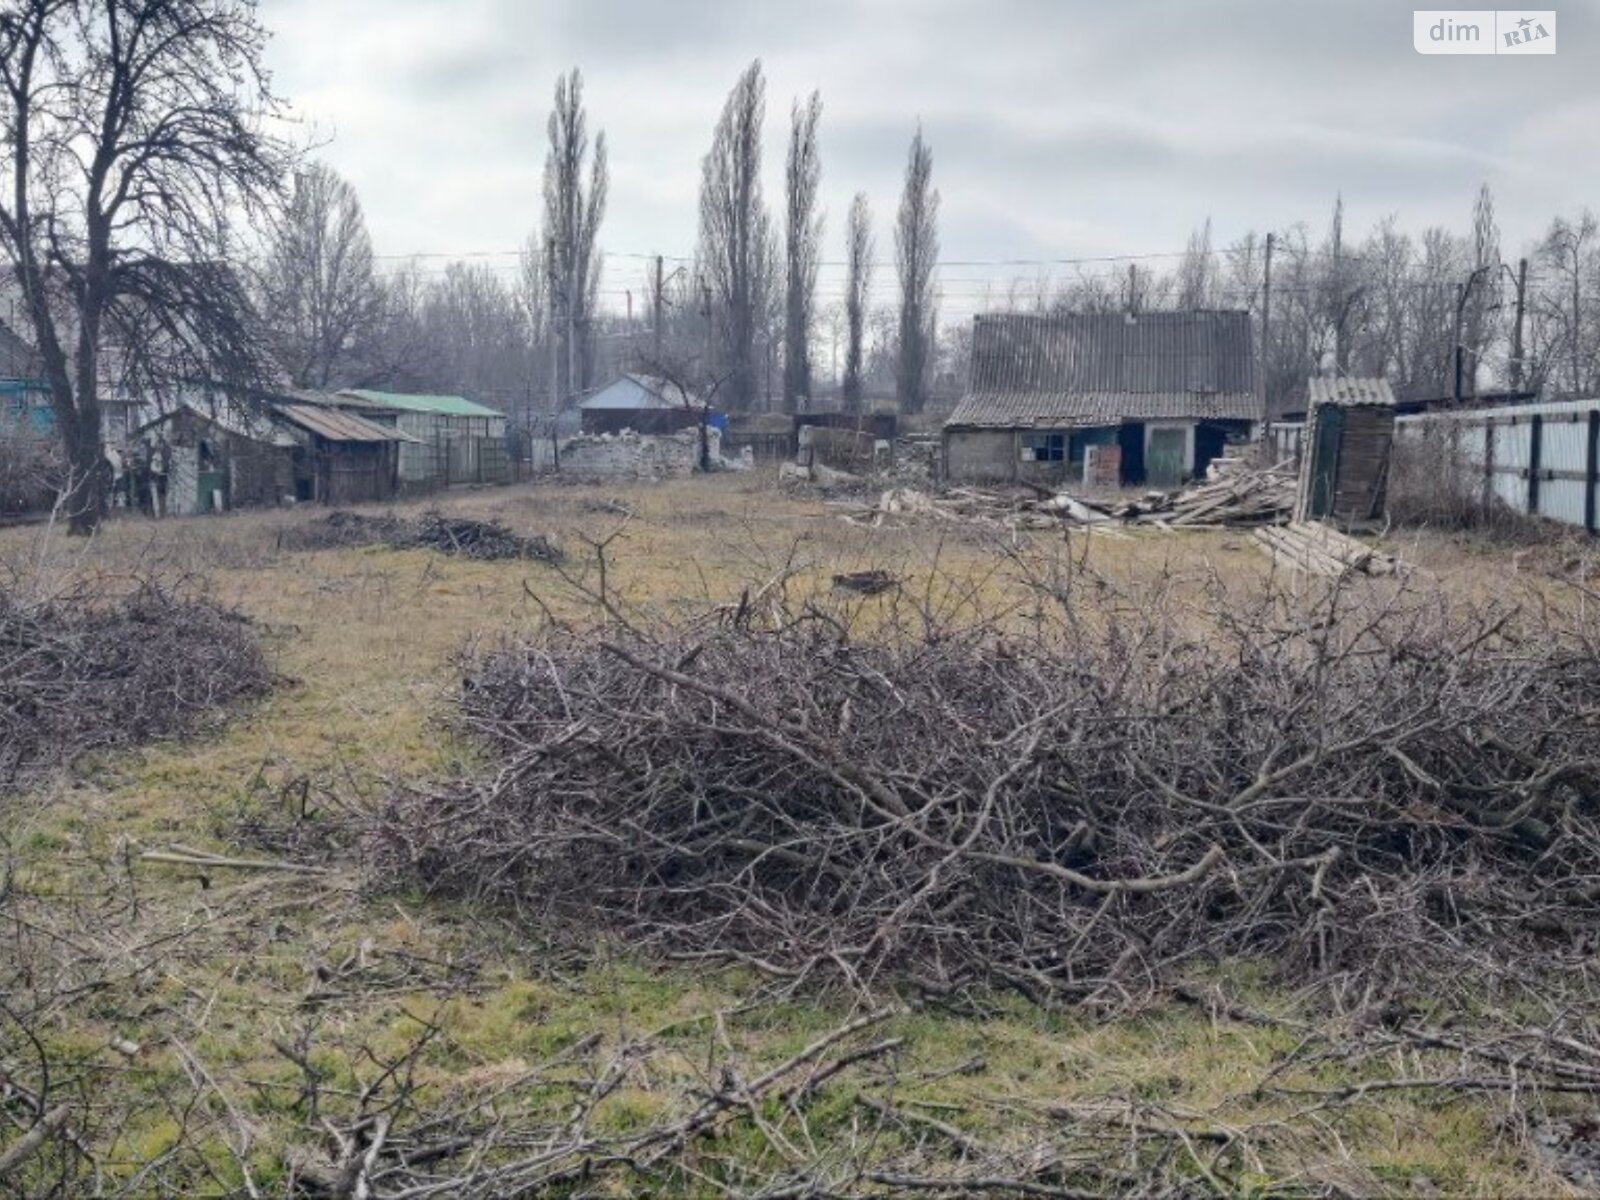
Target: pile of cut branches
[[1073, 808], [468, 537], [85, 672]]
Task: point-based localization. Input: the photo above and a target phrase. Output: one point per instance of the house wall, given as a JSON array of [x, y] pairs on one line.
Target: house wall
[[183, 482], [998, 455], [206, 458], [259, 476], [980, 455], [354, 472]]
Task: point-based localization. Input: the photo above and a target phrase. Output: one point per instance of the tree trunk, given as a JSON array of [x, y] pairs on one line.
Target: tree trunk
[[84, 500]]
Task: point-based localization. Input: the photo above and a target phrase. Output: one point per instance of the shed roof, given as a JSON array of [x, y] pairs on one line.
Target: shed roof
[[448, 406], [1103, 368], [635, 391], [1350, 392], [344, 400], [238, 422], [333, 425]]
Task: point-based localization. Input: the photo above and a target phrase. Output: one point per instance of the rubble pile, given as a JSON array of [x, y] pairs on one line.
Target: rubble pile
[[1233, 494]]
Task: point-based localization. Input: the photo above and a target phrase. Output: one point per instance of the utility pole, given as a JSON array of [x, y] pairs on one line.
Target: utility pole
[[1516, 329], [656, 317], [1266, 324], [1463, 293], [1460, 354]]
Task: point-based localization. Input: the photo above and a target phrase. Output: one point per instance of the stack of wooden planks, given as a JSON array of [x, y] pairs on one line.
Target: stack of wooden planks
[[1315, 549], [1232, 494]]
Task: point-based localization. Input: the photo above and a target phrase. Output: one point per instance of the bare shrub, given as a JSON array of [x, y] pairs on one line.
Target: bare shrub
[[1080, 805], [33, 471], [1434, 484]]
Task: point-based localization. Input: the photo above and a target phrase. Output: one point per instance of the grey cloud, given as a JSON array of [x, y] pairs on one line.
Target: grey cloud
[[1058, 129]]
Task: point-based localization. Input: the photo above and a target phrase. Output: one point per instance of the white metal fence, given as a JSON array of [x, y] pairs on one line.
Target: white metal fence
[[1542, 459]]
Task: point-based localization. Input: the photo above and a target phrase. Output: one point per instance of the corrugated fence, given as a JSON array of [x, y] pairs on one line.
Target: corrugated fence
[[1542, 459]]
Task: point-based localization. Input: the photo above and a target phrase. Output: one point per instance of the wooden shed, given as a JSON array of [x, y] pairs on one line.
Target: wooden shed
[[1344, 464], [223, 456], [341, 458]]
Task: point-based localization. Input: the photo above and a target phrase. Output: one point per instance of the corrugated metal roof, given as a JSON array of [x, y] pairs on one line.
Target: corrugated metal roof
[[1349, 392], [1097, 368], [450, 406], [1008, 410], [646, 392], [335, 426], [345, 400]]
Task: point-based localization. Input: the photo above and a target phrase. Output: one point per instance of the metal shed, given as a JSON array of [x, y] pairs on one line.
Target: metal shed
[[452, 439], [1348, 444]]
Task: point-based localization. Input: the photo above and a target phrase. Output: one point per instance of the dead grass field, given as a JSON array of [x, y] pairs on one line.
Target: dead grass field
[[209, 972]]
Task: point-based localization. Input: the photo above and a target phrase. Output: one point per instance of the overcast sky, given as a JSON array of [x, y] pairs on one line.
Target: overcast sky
[[1060, 129]]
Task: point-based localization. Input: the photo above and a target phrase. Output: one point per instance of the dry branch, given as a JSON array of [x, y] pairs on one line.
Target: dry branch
[[1065, 810]]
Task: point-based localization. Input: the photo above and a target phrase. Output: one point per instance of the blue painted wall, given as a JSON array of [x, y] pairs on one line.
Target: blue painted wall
[[25, 408]]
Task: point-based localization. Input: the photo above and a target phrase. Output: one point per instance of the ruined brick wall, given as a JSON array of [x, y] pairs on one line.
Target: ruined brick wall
[[630, 455]]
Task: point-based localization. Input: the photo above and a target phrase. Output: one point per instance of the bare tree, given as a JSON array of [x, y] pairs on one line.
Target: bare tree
[[858, 252], [736, 247], [1567, 257], [322, 301], [916, 244], [1342, 293], [572, 216], [1483, 297], [802, 247], [1197, 272], [542, 356], [464, 331], [133, 131]]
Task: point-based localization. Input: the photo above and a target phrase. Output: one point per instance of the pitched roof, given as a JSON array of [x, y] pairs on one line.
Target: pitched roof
[[240, 422], [1350, 393], [647, 392], [333, 425], [1102, 368], [448, 406]]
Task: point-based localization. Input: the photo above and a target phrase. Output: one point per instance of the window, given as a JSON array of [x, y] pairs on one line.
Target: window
[[1044, 447]]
